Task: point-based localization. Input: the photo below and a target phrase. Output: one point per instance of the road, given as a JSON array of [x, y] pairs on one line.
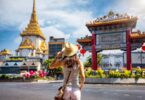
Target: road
[[46, 91]]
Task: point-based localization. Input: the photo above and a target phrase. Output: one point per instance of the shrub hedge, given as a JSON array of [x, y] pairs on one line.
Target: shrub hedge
[[138, 73]]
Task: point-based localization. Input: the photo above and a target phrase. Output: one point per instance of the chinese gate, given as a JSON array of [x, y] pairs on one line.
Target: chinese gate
[[113, 31]]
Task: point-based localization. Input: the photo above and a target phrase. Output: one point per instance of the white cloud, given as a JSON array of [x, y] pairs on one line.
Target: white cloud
[[81, 32], [59, 4], [133, 8], [55, 17], [14, 12], [52, 31], [75, 20], [69, 19]]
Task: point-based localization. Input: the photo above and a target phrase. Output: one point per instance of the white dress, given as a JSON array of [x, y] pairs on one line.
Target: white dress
[[72, 91]]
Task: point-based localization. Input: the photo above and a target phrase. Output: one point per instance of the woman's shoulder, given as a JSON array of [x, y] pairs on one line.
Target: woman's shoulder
[[79, 61]]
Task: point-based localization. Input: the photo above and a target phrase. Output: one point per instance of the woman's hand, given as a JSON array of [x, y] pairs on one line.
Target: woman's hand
[[56, 62], [59, 55], [81, 86]]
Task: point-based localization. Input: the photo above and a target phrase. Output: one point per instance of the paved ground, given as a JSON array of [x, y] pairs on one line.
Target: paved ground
[[46, 91]]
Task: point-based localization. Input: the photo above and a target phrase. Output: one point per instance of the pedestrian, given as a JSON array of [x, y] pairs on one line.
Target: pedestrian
[[72, 68]]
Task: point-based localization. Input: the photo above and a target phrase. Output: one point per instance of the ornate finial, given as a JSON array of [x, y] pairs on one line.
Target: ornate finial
[[34, 6], [33, 16], [111, 13]]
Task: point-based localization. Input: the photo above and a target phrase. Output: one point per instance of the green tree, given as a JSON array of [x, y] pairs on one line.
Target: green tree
[[88, 62], [99, 58], [47, 63]]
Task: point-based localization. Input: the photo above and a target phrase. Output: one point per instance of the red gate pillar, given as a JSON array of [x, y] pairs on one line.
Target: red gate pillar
[[94, 52], [128, 49]]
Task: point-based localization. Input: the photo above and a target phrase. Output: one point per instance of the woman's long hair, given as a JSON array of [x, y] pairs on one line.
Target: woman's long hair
[[71, 61]]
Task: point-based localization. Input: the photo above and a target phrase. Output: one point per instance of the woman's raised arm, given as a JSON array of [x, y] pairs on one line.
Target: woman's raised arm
[[82, 73], [57, 61]]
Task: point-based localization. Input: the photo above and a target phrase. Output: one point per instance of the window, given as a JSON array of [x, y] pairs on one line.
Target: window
[[24, 64], [7, 64], [33, 63], [15, 64]]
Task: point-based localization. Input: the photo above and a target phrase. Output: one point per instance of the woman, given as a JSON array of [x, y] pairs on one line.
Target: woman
[[73, 66]]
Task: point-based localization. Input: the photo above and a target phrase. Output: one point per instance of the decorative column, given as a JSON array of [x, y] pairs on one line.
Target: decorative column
[[94, 52], [128, 49], [17, 53]]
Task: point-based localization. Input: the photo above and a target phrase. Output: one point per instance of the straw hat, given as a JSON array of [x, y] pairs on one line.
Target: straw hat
[[69, 49]]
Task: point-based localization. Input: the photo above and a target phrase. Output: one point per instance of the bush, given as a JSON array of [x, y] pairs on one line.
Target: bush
[[88, 73], [95, 74], [10, 76], [138, 73], [58, 70], [126, 74], [114, 74], [101, 73], [3, 76]]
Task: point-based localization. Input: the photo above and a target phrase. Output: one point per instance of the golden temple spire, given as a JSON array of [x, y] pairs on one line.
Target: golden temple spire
[[34, 6], [33, 28], [34, 16]]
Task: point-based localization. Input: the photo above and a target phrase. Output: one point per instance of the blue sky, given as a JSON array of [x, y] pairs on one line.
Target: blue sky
[[60, 18]]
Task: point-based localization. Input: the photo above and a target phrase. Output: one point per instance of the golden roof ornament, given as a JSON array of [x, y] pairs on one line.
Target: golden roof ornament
[[43, 46], [111, 13], [38, 51], [27, 44], [33, 28], [5, 52], [111, 18]]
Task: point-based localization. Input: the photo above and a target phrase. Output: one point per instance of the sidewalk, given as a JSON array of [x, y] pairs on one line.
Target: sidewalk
[[48, 81]]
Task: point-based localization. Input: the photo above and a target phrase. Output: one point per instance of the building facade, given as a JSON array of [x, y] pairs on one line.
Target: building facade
[[55, 45], [118, 60], [19, 64]]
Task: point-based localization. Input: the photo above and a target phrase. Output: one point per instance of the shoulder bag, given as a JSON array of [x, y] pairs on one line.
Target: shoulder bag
[[61, 90]]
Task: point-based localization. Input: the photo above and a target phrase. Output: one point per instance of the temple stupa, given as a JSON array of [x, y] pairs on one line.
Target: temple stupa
[[33, 42]]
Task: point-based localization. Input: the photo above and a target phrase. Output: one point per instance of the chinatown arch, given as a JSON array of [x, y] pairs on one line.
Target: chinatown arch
[[113, 31]]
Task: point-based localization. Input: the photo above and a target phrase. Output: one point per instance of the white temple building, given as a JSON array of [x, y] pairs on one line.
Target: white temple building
[[33, 40], [31, 52]]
